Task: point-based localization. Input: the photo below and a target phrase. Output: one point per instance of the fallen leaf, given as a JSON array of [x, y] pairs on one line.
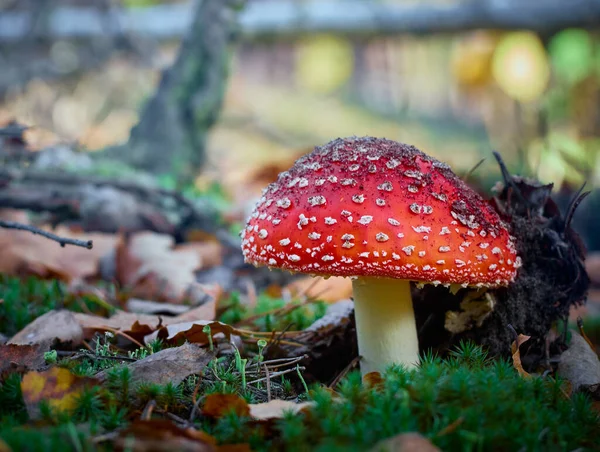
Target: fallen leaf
[[516, 354], [137, 306], [191, 332], [61, 325], [24, 253], [150, 267], [156, 435], [373, 380], [579, 364], [22, 358], [139, 326], [57, 386], [330, 290], [169, 365], [405, 442], [276, 409], [217, 405]]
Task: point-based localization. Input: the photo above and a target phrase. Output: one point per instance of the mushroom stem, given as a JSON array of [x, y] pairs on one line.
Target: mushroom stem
[[385, 323]]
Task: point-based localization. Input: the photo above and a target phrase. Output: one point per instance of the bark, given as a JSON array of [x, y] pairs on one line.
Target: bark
[[170, 137]]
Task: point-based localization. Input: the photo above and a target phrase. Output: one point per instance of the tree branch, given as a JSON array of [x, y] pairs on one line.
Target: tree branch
[[287, 18], [61, 240]]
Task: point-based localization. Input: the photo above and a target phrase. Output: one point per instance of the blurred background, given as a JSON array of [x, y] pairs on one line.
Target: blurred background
[[457, 79]]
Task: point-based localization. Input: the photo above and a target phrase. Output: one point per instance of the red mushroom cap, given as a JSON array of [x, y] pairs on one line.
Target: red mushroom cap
[[375, 207]]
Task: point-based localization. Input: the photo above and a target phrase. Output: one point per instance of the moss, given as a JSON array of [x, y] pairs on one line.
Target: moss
[[466, 402], [24, 300]]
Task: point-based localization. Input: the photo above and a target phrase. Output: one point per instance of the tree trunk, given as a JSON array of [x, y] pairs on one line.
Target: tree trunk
[[170, 137]]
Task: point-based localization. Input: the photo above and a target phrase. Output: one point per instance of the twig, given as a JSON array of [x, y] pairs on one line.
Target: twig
[[277, 374], [61, 240], [147, 413], [268, 381], [343, 373]]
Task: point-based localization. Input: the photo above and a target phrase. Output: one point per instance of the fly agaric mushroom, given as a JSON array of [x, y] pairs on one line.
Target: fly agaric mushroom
[[385, 214]]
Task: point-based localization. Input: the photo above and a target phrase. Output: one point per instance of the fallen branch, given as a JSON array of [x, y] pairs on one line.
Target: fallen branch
[[61, 240], [99, 204]]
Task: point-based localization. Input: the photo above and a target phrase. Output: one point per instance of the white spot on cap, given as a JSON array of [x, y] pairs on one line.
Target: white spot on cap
[[496, 250], [316, 200], [347, 237], [415, 208], [348, 182], [293, 257], [386, 186], [314, 236], [354, 167], [392, 163], [365, 254], [303, 182], [393, 222], [347, 245], [484, 245], [412, 173], [330, 220], [422, 229], [412, 188], [381, 237], [346, 213], [272, 261], [444, 249], [408, 249], [460, 263], [320, 182], [284, 203], [428, 210], [493, 267], [262, 234], [422, 253], [327, 257], [365, 219], [380, 202], [303, 221], [358, 199], [284, 242], [445, 230]]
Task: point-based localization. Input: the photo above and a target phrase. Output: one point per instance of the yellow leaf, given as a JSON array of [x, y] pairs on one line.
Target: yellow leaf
[[57, 386]]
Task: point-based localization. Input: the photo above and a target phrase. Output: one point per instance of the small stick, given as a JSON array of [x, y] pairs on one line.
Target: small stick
[[343, 373], [147, 413], [582, 332], [60, 240], [276, 374], [268, 378]]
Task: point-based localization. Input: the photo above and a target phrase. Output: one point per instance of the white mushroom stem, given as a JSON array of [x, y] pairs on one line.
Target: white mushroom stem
[[385, 323]]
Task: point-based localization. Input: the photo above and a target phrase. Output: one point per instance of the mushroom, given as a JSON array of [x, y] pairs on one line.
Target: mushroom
[[384, 214]]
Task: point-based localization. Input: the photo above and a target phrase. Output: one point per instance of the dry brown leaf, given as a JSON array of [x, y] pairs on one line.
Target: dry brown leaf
[[579, 364], [373, 380], [330, 290], [275, 409], [405, 442], [149, 266], [139, 326], [161, 435], [169, 365], [24, 253], [516, 354], [218, 405], [192, 332], [57, 386], [22, 358], [61, 325]]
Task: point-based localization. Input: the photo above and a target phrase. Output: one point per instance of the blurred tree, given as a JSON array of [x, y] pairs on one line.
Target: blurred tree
[[170, 136]]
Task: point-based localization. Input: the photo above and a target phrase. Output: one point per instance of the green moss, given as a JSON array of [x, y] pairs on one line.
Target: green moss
[[300, 317], [27, 299], [464, 403]]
